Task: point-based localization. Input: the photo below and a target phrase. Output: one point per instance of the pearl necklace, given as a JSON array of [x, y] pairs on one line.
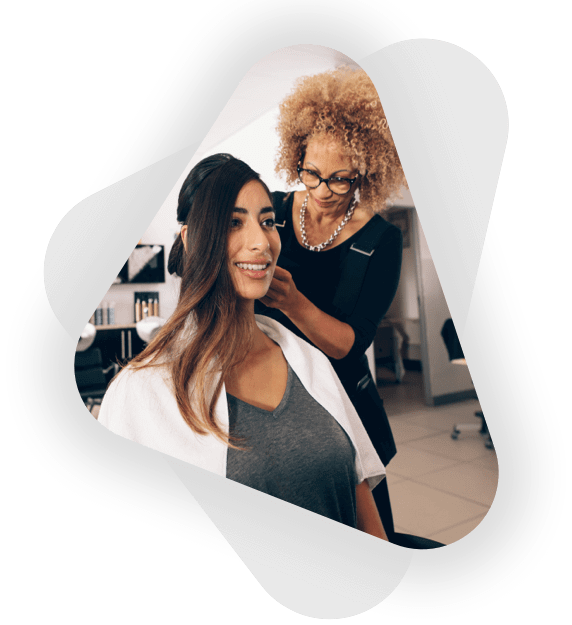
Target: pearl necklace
[[321, 246]]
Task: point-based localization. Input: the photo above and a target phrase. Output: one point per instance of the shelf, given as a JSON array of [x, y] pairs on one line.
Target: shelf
[[116, 326]]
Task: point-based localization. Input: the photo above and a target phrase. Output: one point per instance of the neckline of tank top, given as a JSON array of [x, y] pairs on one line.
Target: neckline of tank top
[[283, 402]]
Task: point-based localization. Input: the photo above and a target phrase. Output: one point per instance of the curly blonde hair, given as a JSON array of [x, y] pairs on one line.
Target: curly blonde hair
[[342, 104]]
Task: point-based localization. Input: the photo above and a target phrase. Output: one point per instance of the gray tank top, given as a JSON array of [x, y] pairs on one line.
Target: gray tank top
[[298, 453]]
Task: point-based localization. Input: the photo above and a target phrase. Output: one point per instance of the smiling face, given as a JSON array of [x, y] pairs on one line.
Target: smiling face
[[253, 242], [325, 157]]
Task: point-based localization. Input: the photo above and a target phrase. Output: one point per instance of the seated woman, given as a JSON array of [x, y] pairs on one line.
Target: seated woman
[[238, 394]]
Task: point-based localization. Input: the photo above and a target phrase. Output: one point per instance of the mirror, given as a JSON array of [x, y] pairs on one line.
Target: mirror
[[145, 265]]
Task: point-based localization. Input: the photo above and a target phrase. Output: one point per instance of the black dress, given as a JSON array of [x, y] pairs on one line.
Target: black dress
[[317, 275]]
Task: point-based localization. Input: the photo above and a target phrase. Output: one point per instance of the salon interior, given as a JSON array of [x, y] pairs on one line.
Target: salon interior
[[443, 479]]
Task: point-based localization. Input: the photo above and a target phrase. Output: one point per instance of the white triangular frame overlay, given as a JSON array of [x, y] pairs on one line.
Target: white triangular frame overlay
[[449, 119]]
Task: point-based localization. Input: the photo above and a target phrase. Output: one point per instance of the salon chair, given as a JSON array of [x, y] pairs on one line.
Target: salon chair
[[413, 542], [381, 496], [456, 357], [90, 376]]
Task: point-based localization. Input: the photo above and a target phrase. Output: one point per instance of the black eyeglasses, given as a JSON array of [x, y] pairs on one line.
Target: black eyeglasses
[[339, 186]]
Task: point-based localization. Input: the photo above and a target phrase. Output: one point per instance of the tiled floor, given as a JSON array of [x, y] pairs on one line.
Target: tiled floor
[[439, 488]]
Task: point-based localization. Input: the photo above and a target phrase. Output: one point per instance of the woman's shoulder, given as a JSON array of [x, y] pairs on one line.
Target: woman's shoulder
[[288, 195], [292, 345], [136, 387], [140, 405], [280, 195], [381, 231], [280, 198], [282, 202]]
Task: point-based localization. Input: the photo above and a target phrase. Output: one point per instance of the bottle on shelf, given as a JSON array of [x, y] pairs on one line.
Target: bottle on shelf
[[98, 320]]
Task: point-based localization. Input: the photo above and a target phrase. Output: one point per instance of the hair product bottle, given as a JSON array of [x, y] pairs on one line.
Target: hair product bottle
[[138, 315]]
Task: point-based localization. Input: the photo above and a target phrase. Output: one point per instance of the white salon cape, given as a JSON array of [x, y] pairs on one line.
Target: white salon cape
[[140, 405]]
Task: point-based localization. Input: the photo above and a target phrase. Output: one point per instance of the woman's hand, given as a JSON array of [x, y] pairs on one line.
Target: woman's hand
[[282, 293], [333, 337]]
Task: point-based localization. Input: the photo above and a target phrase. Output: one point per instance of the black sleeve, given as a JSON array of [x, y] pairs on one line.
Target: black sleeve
[[379, 288]]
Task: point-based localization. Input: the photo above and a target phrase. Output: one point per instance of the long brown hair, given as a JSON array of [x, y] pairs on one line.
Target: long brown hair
[[206, 335]]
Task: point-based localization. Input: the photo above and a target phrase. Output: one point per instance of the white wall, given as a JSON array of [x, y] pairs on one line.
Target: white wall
[[257, 145], [444, 378], [405, 304]]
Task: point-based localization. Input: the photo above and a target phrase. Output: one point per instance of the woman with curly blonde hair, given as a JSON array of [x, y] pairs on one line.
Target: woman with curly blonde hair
[[340, 262], [342, 108]]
